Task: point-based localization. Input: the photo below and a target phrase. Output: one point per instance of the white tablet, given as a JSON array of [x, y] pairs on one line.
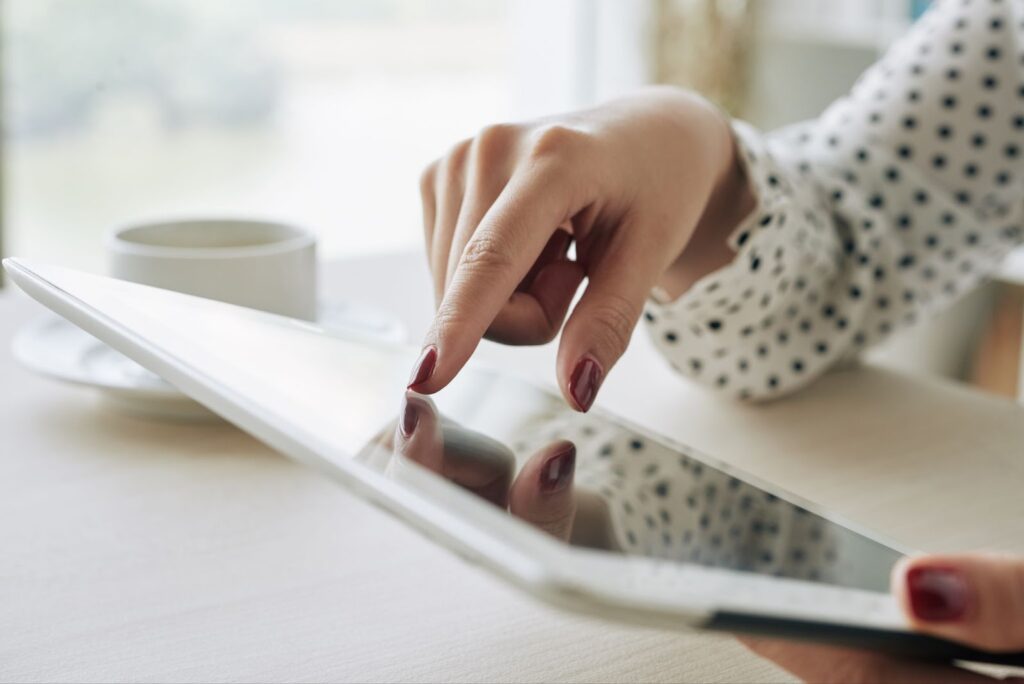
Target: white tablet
[[663, 536]]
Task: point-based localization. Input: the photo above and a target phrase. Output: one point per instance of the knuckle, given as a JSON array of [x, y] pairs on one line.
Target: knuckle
[[456, 157], [613, 322], [485, 255], [556, 141], [495, 140]]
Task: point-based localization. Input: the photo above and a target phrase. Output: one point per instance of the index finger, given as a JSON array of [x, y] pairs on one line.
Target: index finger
[[496, 259]]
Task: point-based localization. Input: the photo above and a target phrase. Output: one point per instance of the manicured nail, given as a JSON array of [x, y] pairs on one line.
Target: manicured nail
[[424, 367], [586, 379], [556, 473], [410, 417], [937, 594]]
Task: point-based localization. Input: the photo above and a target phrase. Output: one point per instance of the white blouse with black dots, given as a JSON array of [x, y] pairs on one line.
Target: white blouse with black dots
[[900, 197]]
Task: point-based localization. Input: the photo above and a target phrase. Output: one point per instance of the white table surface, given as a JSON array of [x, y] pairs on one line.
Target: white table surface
[[146, 551]]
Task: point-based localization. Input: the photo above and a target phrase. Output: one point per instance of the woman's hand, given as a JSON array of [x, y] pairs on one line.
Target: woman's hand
[[974, 599], [647, 187]]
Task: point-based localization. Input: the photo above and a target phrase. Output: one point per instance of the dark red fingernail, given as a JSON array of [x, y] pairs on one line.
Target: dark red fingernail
[[586, 379], [556, 473], [410, 416], [937, 594], [424, 367]]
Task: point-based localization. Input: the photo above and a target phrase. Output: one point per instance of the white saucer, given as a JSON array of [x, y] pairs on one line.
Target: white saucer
[[56, 348]]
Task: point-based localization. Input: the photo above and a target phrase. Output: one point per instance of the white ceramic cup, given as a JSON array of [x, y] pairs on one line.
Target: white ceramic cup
[[258, 264]]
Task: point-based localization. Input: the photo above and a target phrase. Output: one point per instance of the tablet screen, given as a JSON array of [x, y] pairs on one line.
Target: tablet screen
[[628, 492], [496, 437]]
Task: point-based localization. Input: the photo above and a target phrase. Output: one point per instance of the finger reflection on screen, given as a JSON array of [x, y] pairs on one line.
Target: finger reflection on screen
[[540, 493], [588, 480], [471, 460]]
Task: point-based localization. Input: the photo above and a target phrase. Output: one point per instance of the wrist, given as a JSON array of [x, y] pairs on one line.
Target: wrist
[[730, 201]]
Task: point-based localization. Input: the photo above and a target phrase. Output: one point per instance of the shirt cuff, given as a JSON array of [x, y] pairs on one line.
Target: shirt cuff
[[771, 191]]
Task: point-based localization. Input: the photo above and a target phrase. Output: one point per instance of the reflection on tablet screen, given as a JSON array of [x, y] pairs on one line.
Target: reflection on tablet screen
[[633, 494]]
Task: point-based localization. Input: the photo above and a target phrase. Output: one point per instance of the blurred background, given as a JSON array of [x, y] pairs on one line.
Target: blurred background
[[323, 112]]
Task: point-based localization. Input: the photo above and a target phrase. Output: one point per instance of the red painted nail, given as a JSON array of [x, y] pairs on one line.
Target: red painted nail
[[937, 594], [410, 417], [584, 383], [556, 473], [424, 367]]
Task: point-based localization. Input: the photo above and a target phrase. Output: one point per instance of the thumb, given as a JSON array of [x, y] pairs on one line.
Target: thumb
[[973, 599]]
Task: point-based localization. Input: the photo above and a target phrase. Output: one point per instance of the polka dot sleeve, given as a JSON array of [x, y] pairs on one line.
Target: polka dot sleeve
[[901, 196]]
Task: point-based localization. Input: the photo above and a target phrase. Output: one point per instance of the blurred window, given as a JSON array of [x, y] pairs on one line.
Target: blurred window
[[320, 112]]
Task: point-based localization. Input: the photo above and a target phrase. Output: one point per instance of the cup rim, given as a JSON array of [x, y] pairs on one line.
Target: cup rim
[[299, 239]]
